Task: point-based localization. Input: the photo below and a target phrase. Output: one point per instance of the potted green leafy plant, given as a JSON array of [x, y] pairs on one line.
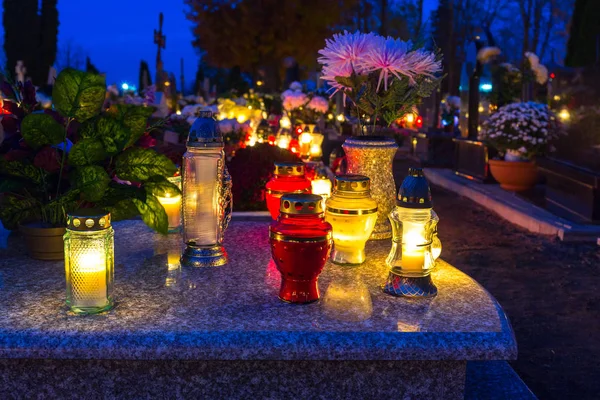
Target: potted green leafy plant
[[76, 155]]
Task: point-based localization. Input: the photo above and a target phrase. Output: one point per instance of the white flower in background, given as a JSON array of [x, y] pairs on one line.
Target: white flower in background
[[191, 110], [534, 60], [541, 74], [286, 93], [294, 100], [526, 128], [509, 67], [112, 89], [486, 54], [227, 125], [453, 102], [296, 86], [318, 104]]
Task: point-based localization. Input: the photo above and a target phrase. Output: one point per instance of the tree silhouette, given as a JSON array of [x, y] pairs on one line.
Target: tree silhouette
[[48, 38], [584, 38], [30, 37], [21, 34], [145, 79], [257, 35]]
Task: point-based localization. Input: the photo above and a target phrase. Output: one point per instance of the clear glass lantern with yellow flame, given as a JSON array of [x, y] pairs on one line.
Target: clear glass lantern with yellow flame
[[206, 195], [321, 184], [171, 202], [352, 213], [89, 261], [415, 244]]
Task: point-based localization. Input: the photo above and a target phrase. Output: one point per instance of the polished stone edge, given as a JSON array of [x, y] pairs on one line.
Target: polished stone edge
[[261, 345]]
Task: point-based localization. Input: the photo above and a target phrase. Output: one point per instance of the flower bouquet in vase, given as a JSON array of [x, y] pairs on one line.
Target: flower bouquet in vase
[[384, 79], [519, 131]]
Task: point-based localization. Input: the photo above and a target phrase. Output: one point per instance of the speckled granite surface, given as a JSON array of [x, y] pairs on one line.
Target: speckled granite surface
[[176, 379], [233, 313]]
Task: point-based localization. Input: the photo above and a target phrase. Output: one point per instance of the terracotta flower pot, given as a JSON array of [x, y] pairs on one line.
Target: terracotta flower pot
[[515, 176], [43, 243]]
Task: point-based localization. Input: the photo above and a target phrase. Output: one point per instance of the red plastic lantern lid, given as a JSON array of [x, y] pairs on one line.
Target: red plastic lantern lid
[[289, 178], [301, 218]]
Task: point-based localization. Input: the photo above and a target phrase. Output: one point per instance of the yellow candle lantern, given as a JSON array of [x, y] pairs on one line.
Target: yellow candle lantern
[[316, 150], [172, 205], [305, 140], [321, 186], [415, 245], [89, 261], [352, 213]]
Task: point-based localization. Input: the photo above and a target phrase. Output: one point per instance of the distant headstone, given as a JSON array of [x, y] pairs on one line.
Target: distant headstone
[[160, 102], [20, 71], [51, 76], [206, 87]]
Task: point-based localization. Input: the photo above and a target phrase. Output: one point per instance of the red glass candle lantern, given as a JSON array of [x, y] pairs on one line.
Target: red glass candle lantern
[[288, 178], [300, 245]]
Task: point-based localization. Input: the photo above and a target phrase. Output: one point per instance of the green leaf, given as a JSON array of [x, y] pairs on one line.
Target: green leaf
[[153, 214], [11, 184], [92, 180], [39, 129], [56, 211], [139, 165], [86, 152], [78, 94], [113, 133], [22, 169], [346, 81], [124, 209], [14, 211], [133, 117], [117, 192], [160, 186]]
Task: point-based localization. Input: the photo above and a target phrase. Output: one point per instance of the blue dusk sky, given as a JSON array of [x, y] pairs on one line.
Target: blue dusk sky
[[118, 34]]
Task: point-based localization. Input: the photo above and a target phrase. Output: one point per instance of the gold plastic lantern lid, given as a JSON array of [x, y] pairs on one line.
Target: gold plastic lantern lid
[[352, 184], [414, 191], [88, 219], [301, 204], [289, 169], [205, 131]]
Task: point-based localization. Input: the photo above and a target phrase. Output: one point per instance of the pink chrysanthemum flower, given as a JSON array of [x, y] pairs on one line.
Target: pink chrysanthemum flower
[[422, 62], [342, 55], [389, 57], [329, 74], [318, 104], [294, 101]]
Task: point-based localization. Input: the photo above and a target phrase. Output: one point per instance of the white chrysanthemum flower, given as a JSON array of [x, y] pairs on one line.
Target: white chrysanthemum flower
[[296, 86], [534, 60], [541, 74], [486, 54]]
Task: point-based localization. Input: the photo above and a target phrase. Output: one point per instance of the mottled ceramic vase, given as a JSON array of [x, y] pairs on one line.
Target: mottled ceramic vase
[[372, 156]]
